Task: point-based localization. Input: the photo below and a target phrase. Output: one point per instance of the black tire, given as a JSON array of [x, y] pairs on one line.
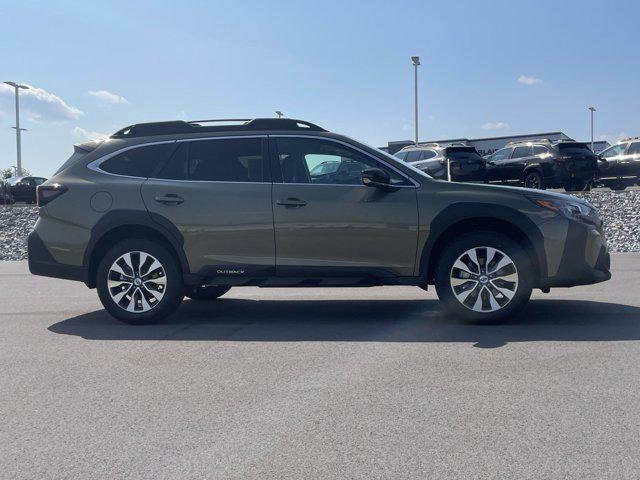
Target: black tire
[[521, 290], [205, 293], [534, 180], [618, 187], [172, 290]]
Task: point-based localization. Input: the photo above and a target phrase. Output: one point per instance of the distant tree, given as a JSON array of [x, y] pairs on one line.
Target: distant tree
[[10, 171]]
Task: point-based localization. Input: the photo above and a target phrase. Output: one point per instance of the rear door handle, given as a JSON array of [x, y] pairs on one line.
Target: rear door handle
[[291, 203], [170, 199]]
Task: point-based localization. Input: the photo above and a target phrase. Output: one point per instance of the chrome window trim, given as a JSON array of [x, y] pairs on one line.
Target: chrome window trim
[[316, 137], [95, 164]]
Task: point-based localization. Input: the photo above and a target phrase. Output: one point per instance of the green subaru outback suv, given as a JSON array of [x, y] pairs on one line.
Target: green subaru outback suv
[[164, 210]]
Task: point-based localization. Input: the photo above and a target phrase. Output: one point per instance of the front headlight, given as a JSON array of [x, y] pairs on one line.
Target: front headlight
[[570, 209]]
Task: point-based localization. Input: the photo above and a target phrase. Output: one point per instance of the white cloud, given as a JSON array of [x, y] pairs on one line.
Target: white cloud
[[38, 104], [87, 134], [181, 115], [109, 97], [528, 80], [495, 126]]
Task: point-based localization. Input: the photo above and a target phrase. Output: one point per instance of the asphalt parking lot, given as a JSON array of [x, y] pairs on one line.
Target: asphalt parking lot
[[334, 383]]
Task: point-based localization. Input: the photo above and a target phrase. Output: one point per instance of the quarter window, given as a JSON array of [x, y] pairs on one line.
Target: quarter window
[[307, 160], [137, 162]]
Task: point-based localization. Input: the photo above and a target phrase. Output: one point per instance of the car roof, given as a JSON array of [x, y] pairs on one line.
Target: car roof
[[180, 127]]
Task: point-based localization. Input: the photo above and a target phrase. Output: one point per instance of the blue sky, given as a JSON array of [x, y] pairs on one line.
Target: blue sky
[[488, 68]]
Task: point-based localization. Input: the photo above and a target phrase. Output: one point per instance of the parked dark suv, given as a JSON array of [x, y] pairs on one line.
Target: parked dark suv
[[23, 189], [541, 164], [465, 163], [164, 210], [619, 165]]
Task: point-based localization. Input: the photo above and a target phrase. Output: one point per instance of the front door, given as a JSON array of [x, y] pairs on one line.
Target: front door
[[328, 223], [217, 192]]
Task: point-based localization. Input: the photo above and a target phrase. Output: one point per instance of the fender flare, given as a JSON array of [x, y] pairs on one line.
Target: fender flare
[[460, 212], [119, 218]]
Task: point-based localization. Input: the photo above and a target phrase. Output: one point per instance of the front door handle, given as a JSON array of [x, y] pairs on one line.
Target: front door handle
[[291, 203], [170, 199]]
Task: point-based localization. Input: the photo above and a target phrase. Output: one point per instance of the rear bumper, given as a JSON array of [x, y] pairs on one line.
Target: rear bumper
[[585, 258], [41, 262]]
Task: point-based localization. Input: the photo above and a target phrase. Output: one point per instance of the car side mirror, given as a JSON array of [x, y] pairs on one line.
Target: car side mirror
[[376, 177]]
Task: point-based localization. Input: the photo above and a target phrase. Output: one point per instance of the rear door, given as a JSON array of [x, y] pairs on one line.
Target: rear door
[[217, 192], [337, 226]]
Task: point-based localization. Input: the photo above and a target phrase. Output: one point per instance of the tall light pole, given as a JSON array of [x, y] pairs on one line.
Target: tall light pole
[[19, 130], [592, 109], [416, 62]]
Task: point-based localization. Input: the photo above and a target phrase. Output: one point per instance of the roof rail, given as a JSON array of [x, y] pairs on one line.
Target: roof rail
[[180, 126], [530, 140]]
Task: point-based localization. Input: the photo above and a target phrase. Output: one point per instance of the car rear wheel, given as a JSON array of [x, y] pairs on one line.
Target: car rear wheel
[[205, 293], [139, 282], [534, 180], [484, 277]]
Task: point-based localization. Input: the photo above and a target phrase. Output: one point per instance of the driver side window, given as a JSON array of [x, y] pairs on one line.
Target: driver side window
[[310, 160], [614, 151]]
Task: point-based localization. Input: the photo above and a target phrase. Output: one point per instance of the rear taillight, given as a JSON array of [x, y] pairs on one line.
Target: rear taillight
[[48, 193]]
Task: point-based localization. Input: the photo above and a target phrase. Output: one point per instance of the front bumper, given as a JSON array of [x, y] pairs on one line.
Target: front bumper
[[585, 258]]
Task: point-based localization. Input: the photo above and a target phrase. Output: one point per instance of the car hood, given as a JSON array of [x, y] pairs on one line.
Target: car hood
[[522, 192]]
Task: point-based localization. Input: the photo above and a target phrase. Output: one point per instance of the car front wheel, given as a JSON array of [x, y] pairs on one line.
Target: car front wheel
[[484, 277], [534, 180], [139, 282]]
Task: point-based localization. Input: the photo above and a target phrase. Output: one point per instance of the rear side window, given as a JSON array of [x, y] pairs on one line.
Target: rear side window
[[225, 160], [634, 148], [138, 161], [522, 151], [539, 149], [413, 156], [401, 155], [427, 154]]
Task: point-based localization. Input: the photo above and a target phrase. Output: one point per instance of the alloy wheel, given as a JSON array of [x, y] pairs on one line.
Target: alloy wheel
[[533, 181], [137, 282], [484, 279]]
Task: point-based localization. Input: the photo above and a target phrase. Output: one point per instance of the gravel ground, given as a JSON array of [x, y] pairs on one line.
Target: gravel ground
[[15, 224], [620, 210]]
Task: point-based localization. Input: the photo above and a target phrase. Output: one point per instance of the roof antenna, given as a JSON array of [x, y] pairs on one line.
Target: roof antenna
[[279, 113]]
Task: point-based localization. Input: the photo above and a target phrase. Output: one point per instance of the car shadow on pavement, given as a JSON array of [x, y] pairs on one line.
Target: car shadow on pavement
[[239, 320]]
